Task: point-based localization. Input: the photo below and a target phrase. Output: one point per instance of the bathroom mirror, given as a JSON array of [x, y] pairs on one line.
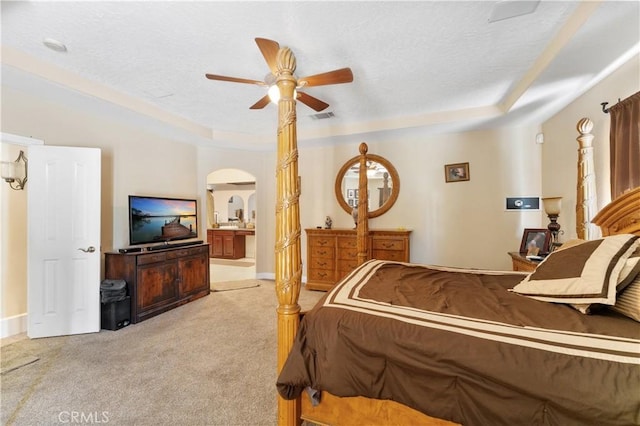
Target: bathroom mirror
[[251, 217], [383, 182], [236, 209]]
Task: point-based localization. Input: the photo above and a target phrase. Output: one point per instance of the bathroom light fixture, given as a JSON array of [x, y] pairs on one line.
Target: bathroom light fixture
[[15, 172]]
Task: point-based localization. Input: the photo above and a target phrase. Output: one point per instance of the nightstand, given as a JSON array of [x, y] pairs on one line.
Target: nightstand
[[521, 263]]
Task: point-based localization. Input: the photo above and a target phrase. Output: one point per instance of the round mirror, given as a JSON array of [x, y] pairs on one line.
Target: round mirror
[[383, 183]]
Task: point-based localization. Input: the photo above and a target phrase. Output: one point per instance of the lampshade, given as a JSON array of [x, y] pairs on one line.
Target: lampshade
[[552, 205], [15, 172], [9, 170]]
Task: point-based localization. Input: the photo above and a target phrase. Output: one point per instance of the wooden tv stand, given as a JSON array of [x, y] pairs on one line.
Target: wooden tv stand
[[161, 280]]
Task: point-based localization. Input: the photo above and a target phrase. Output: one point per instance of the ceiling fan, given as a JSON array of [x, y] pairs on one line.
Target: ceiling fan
[[269, 49]]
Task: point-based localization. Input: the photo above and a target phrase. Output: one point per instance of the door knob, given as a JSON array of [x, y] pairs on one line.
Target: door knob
[[89, 249]]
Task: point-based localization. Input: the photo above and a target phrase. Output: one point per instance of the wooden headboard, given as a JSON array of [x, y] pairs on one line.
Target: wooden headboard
[[621, 216]]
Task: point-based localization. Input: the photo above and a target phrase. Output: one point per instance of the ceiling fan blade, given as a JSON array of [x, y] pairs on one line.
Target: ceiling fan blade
[[311, 102], [269, 49], [234, 79], [263, 102], [343, 75]]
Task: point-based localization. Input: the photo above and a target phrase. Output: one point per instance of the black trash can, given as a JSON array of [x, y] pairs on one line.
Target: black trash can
[[115, 305]]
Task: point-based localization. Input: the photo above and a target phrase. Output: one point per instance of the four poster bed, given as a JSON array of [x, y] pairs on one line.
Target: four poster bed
[[399, 343]]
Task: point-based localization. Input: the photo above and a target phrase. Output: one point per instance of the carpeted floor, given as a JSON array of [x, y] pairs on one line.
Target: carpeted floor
[[209, 362], [14, 357]]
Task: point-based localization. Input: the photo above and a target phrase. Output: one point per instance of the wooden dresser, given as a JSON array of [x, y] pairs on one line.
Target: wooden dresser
[[332, 253], [160, 280]]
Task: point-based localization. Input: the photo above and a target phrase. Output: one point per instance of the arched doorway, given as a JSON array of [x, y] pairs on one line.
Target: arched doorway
[[231, 224]]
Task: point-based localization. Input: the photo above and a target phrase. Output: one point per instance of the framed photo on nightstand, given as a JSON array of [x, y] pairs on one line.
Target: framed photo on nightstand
[[535, 241]]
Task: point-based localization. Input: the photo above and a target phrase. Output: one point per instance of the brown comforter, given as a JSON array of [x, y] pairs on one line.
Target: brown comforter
[[457, 345]]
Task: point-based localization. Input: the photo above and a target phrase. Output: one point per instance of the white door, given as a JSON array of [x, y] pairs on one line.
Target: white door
[[63, 241]]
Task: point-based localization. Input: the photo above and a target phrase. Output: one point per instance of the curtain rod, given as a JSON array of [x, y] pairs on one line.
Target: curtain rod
[[604, 106]]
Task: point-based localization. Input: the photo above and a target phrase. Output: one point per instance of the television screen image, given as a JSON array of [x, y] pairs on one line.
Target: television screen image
[[154, 219]]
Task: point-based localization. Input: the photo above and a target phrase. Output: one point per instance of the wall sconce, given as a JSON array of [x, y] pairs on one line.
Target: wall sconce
[[12, 172], [552, 206]]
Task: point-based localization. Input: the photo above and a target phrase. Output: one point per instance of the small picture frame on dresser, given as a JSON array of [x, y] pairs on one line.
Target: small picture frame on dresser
[[535, 241]]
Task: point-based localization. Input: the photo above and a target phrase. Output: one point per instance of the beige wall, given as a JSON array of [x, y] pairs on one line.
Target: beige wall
[[133, 162], [13, 247], [261, 165], [458, 224], [560, 149]]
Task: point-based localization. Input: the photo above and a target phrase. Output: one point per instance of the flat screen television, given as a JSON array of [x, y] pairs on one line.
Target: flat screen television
[[156, 219]]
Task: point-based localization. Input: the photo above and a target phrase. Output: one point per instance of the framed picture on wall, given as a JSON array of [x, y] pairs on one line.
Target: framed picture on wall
[[457, 172]]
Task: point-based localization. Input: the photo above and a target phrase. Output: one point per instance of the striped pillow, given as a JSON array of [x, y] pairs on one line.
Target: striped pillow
[[628, 302], [583, 274], [630, 270]]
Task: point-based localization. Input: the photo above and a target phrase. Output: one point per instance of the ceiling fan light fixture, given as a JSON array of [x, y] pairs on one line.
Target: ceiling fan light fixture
[[271, 51], [274, 94]]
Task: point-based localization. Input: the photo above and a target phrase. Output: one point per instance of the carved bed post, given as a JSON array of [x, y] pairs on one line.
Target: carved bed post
[[287, 247], [362, 227], [586, 201]]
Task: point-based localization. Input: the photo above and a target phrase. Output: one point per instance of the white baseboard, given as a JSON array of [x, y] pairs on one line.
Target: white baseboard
[[271, 276], [11, 326], [266, 276]]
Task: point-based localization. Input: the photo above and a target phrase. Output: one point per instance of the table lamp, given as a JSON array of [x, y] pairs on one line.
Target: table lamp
[[552, 206]]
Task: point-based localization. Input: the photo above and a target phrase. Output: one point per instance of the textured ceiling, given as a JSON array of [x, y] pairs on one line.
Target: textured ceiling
[[439, 66]]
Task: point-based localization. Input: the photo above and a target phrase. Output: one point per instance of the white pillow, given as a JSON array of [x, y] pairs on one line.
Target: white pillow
[[584, 274]]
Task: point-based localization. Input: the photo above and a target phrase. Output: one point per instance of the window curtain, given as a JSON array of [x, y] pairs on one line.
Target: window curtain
[[625, 145]]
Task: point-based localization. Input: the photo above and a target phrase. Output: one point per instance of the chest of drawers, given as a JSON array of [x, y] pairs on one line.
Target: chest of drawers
[[332, 253]]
